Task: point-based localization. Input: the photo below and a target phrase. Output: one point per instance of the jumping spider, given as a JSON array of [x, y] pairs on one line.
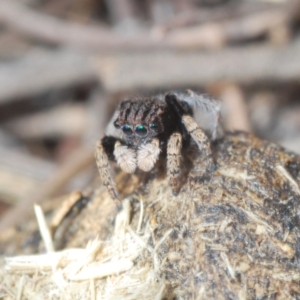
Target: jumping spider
[[144, 129]]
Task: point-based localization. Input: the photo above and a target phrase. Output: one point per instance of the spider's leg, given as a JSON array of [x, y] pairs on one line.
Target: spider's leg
[[125, 157], [200, 138], [173, 161], [147, 155], [104, 171]]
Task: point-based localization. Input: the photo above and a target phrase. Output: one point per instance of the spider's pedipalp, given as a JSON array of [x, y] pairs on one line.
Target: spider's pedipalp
[[148, 154], [199, 137], [104, 171], [125, 157], [173, 161]]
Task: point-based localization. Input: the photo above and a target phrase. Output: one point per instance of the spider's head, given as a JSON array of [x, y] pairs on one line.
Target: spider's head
[[140, 120]]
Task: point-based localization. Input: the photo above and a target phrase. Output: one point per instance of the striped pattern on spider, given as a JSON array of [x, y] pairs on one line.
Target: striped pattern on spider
[[146, 129]]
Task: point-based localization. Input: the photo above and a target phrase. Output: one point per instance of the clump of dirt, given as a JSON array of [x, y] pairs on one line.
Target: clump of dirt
[[232, 233]]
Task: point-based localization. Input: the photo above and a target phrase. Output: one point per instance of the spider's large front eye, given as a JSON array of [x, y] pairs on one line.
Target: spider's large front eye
[[127, 130], [141, 130]]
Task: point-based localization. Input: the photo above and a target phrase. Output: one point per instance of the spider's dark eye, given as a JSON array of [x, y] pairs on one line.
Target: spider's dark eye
[[127, 130], [153, 126], [141, 130]]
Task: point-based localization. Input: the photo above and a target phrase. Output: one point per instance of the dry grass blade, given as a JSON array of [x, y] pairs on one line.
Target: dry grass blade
[[44, 230]]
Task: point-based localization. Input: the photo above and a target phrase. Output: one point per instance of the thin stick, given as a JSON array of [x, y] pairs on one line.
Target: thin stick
[[20, 287], [44, 230], [236, 110]]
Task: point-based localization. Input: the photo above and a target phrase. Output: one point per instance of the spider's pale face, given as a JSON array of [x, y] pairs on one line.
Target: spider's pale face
[[140, 121]]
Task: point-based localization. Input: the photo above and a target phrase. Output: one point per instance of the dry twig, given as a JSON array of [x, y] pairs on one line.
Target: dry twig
[[247, 65], [236, 110], [50, 29], [41, 70], [61, 121]]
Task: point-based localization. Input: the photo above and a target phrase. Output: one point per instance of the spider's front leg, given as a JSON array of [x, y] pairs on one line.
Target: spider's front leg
[[192, 128], [173, 161], [200, 138], [104, 149], [111, 148]]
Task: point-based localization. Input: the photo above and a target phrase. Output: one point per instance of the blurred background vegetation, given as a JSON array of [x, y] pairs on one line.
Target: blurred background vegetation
[[65, 64]]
